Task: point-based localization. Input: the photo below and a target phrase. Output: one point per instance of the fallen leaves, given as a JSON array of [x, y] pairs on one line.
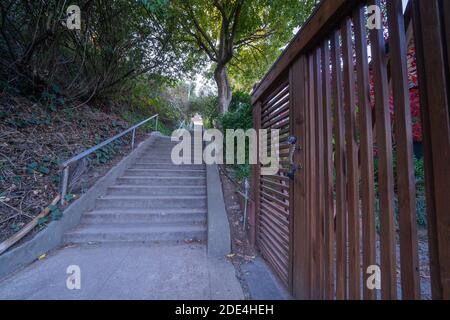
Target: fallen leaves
[[242, 256], [31, 153], [249, 258]]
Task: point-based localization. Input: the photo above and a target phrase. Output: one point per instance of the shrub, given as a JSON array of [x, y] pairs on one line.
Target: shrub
[[239, 100], [421, 206], [148, 96], [207, 107], [239, 117], [420, 193]]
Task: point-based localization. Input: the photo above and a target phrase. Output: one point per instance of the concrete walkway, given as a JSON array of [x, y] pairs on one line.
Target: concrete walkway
[[127, 272]]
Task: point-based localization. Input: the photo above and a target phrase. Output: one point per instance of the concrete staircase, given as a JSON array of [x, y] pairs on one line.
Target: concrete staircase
[[154, 201]]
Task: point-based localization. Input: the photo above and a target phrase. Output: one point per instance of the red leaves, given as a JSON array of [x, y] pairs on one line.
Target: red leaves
[[413, 94]]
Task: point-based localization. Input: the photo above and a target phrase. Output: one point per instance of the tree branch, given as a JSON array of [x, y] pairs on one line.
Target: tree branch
[[200, 30]]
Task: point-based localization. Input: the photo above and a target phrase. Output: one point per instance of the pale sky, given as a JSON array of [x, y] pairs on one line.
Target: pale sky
[[405, 2]]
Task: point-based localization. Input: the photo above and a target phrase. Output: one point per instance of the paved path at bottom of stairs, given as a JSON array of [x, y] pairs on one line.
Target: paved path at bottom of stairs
[[172, 272]]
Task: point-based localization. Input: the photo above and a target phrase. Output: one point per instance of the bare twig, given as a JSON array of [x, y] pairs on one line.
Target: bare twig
[[25, 230]]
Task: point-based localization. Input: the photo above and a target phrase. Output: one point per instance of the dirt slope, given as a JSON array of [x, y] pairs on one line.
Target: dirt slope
[[34, 140]]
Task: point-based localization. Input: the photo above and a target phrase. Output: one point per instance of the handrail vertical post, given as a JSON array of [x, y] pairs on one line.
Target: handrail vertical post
[[65, 180], [247, 188], [156, 123], [132, 139], [66, 164]]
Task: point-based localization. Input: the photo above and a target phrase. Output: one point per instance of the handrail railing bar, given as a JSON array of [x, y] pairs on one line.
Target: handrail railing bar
[[65, 165], [104, 143]]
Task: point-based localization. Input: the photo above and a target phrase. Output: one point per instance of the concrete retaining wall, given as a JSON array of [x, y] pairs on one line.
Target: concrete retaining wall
[[51, 237], [219, 239]]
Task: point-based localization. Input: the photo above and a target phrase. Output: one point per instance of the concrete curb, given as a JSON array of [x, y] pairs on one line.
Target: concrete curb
[[52, 236], [223, 282], [219, 239]]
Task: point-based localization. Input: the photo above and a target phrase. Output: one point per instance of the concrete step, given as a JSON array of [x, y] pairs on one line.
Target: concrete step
[[167, 166], [163, 144], [136, 233], [167, 156], [162, 159], [154, 148], [168, 152], [164, 173], [136, 190], [162, 181], [160, 152], [157, 202], [172, 144], [197, 152], [112, 216], [169, 161]]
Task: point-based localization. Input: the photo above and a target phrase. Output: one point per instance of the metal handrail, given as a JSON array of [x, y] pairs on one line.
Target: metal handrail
[[65, 165]]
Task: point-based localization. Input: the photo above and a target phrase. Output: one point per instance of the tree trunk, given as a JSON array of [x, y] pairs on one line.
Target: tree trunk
[[224, 89]]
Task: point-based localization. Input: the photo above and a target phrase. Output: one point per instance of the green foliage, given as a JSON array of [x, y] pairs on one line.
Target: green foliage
[[40, 168], [105, 154], [207, 107], [148, 96], [163, 129], [17, 123], [282, 17], [149, 126], [243, 36], [18, 179], [44, 170], [15, 227], [21, 121], [419, 172], [421, 207], [239, 117], [241, 172], [155, 5], [69, 197], [118, 40], [33, 166], [55, 179], [41, 221], [240, 100], [55, 213], [52, 99]]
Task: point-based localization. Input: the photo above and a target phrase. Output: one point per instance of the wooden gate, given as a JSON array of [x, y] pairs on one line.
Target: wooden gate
[[273, 218], [340, 94]]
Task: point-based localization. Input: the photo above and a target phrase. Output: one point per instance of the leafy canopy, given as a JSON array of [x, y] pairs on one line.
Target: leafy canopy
[[254, 32]]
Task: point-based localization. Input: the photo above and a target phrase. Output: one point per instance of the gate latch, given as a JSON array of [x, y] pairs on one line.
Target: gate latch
[[294, 147]]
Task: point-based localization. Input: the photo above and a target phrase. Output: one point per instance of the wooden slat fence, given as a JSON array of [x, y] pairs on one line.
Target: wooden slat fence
[[343, 90]]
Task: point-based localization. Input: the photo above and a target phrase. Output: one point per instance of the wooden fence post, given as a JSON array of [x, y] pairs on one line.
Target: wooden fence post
[[433, 69], [255, 183]]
